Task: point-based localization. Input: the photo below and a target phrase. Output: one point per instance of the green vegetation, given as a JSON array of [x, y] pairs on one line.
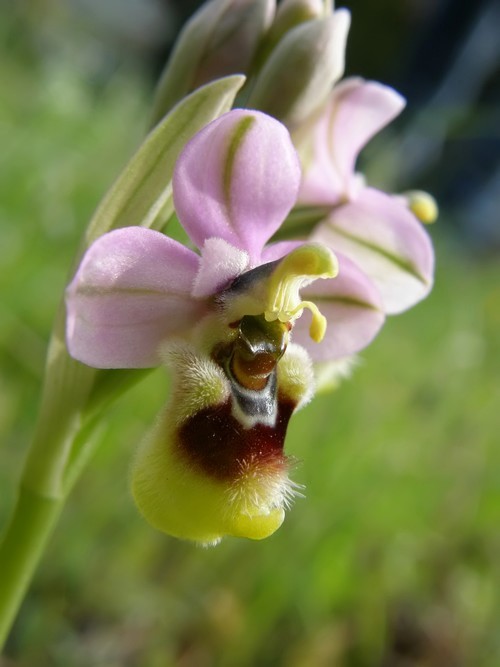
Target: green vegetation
[[393, 555]]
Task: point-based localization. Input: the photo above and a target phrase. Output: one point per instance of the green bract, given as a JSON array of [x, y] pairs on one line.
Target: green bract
[[219, 40], [144, 188]]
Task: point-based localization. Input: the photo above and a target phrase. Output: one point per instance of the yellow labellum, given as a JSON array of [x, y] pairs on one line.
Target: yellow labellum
[[184, 503]]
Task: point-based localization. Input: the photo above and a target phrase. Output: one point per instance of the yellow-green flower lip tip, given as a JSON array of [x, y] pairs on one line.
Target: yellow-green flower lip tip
[[423, 205], [257, 527], [296, 270]]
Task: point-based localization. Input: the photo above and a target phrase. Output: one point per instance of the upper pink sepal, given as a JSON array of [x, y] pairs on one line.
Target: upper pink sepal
[[355, 112], [131, 291], [237, 180]]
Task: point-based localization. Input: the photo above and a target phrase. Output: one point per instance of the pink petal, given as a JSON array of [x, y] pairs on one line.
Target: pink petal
[[356, 111], [220, 264], [387, 242], [131, 292], [353, 309], [237, 180]]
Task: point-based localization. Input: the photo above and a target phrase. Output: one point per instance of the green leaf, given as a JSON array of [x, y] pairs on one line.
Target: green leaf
[[144, 188]]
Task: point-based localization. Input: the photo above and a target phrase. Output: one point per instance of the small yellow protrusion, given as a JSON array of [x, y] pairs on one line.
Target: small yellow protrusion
[[317, 329], [423, 205], [298, 269]]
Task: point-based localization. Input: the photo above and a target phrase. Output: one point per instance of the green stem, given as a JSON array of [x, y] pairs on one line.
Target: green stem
[[42, 490], [23, 544], [65, 437]]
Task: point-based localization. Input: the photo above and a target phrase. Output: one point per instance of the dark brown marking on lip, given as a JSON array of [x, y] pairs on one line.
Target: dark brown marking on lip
[[215, 442]]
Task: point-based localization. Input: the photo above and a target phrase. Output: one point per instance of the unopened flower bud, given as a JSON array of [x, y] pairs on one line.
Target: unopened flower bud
[[219, 40], [289, 15], [302, 69]]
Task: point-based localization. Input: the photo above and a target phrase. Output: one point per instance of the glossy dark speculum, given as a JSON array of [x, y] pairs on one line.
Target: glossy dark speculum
[[217, 443]]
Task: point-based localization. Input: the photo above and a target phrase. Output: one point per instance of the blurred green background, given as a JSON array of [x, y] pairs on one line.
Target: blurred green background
[[393, 558]]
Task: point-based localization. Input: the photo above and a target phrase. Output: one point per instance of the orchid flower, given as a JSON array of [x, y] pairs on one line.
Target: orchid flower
[[222, 319], [378, 231]]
